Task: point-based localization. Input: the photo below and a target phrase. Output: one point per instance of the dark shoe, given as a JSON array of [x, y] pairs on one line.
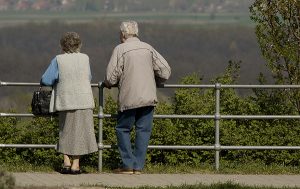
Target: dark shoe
[[137, 172], [65, 170], [75, 172], [123, 171]]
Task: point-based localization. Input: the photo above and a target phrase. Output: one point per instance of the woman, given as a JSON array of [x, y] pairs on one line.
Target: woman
[[69, 74]]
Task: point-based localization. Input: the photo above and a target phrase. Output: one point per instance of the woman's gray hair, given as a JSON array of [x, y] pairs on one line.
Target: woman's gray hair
[[70, 42], [129, 28]]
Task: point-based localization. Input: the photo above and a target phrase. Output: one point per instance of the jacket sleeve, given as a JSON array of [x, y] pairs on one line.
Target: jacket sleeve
[[161, 67], [114, 69], [50, 77]]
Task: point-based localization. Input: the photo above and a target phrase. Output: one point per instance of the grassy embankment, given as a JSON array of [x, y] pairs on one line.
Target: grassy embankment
[[11, 18]]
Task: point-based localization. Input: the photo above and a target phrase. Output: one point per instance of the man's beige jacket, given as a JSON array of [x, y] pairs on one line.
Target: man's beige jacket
[[133, 67]]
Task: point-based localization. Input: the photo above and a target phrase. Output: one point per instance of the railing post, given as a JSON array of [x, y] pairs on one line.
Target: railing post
[[100, 119], [217, 125]]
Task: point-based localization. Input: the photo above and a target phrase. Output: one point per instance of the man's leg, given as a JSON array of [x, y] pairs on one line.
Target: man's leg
[[144, 121], [125, 121]]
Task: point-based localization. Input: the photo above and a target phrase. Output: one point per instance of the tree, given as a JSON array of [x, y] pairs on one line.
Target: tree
[[278, 33]]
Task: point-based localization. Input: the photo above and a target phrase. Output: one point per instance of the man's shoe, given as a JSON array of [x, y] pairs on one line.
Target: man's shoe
[[137, 172], [123, 171]]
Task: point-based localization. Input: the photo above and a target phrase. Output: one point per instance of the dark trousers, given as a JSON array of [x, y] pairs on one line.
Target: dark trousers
[[142, 118]]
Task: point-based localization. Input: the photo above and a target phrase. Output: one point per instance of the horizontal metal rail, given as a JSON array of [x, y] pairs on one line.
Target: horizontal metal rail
[[260, 147], [165, 147], [28, 146], [178, 85], [261, 86], [175, 116], [14, 84], [232, 86], [183, 147]]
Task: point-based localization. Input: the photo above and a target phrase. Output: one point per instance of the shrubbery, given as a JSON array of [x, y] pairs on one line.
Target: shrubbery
[[178, 131]]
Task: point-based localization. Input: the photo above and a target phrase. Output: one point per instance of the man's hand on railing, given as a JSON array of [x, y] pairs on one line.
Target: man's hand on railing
[[160, 82], [107, 85]]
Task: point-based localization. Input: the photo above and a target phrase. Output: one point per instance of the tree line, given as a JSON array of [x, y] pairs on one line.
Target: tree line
[[204, 6], [27, 50]]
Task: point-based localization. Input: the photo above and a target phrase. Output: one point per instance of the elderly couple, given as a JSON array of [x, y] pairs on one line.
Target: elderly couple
[[134, 67]]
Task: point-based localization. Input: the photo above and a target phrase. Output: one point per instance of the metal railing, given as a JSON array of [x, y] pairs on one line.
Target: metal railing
[[217, 147]]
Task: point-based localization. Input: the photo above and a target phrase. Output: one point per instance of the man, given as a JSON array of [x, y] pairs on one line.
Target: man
[[135, 67]]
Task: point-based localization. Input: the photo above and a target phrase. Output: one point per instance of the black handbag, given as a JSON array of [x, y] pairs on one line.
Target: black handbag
[[41, 102]]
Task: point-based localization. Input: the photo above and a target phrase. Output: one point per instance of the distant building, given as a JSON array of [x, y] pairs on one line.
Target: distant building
[[4, 5], [67, 4], [22, 5], [41, 5]]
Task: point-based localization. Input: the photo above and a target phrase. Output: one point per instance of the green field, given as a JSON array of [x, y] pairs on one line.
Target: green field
[[8, 18]]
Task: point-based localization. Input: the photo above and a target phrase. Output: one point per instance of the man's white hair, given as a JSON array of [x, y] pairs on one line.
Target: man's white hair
[[129, 28]]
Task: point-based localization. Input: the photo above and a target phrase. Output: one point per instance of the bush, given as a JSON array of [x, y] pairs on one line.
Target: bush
[[178, 131]]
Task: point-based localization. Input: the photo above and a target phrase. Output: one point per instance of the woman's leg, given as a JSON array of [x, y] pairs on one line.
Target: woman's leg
[[67, 165], [75, 163], [67, 161]]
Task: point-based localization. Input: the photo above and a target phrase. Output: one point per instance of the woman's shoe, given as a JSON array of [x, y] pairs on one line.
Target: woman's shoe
[[75, 172], [66, 170]]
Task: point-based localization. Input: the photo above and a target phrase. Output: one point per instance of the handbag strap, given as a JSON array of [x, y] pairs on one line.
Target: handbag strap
[[41, 86]]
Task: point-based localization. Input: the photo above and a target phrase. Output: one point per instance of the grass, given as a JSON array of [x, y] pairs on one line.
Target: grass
[[212, 186], [228, 185], [25, 167], [225, 168]]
